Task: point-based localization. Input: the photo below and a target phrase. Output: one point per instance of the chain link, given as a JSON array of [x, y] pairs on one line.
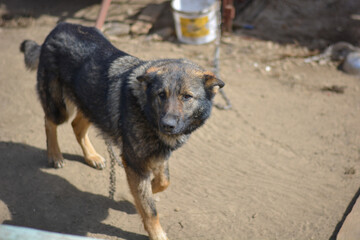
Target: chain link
[[113, 160]]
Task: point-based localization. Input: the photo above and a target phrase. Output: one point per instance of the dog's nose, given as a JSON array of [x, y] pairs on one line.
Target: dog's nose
[[169, 123]]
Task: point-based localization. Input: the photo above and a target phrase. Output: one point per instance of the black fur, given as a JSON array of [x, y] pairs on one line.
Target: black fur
[[147, 108], [75, 63]]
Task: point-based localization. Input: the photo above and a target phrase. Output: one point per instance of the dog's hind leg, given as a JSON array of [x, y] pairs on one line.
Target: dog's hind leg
[[80, 126], [140, 187], [161, 177], [53, 151], [51, 96]]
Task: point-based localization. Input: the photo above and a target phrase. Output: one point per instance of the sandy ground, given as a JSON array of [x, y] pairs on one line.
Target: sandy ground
[[283, 163]]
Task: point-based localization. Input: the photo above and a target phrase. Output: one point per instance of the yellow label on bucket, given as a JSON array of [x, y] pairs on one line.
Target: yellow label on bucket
[[195, 27]]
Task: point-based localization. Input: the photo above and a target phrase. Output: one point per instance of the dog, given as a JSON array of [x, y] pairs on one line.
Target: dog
[[147, 108]]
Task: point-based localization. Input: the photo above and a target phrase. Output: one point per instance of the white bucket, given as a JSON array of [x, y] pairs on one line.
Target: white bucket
[[195, 20]]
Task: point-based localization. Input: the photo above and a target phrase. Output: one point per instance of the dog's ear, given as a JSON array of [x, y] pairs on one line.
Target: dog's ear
[[212, 83], [149, 74], [143, 78]]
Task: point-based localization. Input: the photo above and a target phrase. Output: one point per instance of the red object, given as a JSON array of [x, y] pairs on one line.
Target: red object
[[102, 14], [228, 14]]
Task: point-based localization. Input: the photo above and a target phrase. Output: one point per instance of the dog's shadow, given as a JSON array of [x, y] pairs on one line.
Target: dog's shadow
[[44, 201]]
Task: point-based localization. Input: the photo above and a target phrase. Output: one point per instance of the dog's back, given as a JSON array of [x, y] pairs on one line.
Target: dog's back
[[68, 46], [73, 64]]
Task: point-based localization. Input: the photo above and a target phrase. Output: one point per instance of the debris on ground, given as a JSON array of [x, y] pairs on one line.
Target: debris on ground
[[147, 18], [116, 29], [16, 20], [345, 53], [334, 89]]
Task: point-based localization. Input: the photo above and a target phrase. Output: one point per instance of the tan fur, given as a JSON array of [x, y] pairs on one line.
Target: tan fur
[[209, 73], [70, 107], [155, 232], [198, 73], [53, 150], [141, 190], [215, 89], [154, 69], [80, 126], [161, 180], [210, 78]]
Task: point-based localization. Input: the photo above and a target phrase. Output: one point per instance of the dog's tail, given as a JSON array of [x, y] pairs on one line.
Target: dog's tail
[[31, 52]]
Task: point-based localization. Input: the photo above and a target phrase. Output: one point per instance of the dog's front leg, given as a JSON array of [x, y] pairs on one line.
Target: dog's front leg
[[161, 177], [140, 187]]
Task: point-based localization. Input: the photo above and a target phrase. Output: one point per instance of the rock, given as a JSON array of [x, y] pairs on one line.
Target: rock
[[162, 34], [352, 63], [116, 29], [147, 18]]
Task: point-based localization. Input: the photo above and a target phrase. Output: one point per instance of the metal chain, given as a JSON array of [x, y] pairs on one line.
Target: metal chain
[[217, 59], [113, 160]]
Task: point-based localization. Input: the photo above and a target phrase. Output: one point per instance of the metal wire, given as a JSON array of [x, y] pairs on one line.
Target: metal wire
[[216, 68]]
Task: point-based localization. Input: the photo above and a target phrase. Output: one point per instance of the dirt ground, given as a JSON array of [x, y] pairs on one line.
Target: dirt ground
[[283, 163]]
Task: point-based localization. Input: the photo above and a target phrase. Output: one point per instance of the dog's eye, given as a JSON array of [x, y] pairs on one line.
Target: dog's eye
[[162, 95], [187, 97]]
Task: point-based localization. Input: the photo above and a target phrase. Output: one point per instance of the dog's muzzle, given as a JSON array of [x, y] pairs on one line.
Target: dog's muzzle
[[170, 124]]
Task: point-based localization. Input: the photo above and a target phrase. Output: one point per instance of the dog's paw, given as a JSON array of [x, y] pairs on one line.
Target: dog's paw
[[95, 161], [57, 162], [159, 236]]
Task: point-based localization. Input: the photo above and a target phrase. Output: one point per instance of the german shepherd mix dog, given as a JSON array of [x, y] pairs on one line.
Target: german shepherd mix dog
[[147, 108]]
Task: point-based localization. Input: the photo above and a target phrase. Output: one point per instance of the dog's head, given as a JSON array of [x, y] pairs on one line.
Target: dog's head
[[178, 94]]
